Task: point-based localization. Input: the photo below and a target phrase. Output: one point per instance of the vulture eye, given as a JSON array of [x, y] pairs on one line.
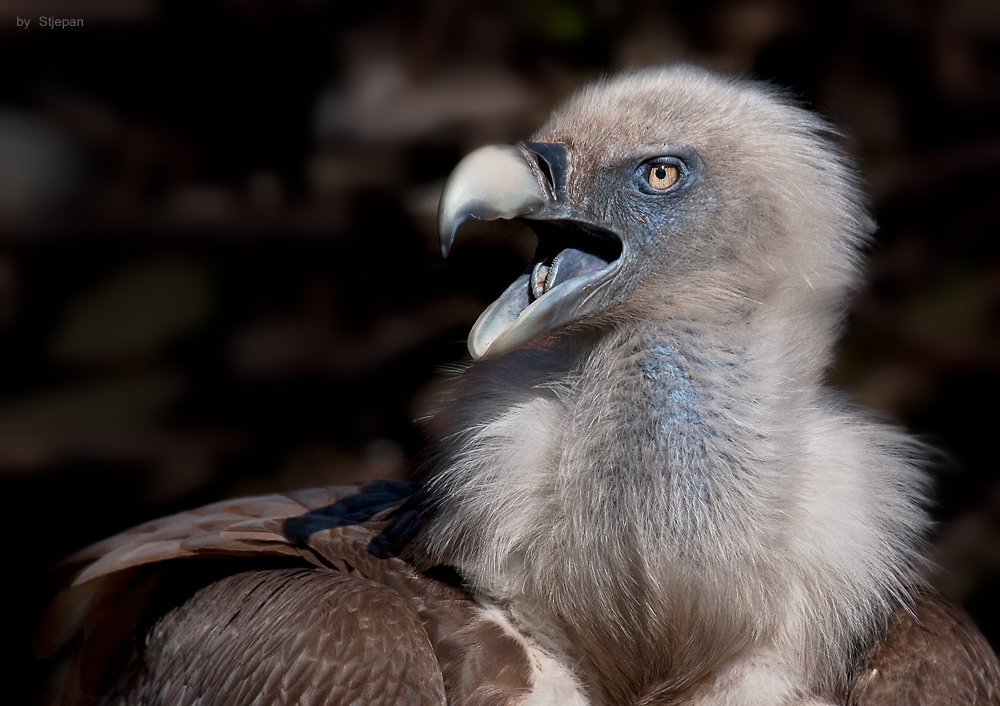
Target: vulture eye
[[661, 176]]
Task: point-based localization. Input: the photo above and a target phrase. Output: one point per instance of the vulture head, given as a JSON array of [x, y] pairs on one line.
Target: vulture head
[[665, 193]]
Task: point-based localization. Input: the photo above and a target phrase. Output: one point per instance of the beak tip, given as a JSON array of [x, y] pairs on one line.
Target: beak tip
[[446, 235], [475, 351]]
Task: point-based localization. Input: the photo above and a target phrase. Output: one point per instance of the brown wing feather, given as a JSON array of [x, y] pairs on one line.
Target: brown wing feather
[[246, 527], [286, 636], [215, 526], [933, 656], [156, 582], [483, 666]]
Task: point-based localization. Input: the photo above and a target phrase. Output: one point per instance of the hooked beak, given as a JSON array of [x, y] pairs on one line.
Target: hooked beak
[[576, 256]]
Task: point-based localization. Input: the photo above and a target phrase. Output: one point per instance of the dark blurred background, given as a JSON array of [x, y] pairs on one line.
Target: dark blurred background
[[219, 273]]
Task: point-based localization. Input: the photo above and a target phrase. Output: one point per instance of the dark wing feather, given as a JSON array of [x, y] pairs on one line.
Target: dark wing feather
[[147, 588], [933, 656]]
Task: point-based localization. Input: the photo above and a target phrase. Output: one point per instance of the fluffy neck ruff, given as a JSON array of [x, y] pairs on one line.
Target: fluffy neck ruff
[[654, 501]]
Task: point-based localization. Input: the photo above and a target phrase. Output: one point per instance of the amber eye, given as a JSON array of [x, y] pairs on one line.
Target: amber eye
[[661, 176]]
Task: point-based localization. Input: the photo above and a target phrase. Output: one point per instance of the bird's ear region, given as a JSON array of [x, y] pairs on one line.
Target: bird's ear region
[[577, 255]]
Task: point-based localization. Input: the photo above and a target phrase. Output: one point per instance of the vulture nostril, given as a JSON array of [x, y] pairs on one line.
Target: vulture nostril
[[551, 164], [546, 170]]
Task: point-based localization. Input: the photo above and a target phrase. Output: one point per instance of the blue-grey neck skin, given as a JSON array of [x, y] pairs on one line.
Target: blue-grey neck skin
[[676, 394]]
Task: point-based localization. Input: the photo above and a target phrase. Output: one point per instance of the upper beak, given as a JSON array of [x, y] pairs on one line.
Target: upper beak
[[528, 181], [501, 181]]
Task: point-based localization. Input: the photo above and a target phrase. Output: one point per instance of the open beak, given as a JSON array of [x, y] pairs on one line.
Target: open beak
[[576, 257]]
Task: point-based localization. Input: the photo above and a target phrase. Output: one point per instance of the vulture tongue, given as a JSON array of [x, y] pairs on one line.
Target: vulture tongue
[[548, 272]]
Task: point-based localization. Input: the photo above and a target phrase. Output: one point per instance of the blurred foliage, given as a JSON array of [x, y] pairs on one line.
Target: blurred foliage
[[135, 313]]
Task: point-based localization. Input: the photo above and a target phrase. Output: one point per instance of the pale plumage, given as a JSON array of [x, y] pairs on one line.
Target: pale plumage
[[645, 490]]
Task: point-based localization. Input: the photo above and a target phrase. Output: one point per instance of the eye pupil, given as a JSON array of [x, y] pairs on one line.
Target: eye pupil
[[661, 173]]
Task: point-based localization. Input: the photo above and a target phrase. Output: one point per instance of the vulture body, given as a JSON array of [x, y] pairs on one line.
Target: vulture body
[[641, 493]]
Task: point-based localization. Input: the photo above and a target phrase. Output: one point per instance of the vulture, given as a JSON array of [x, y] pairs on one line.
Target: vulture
[[640, 492]]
